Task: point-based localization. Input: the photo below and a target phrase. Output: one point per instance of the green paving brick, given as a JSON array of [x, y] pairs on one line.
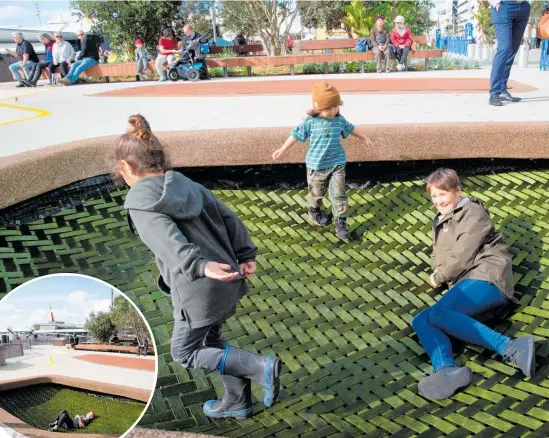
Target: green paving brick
[[338, 314]]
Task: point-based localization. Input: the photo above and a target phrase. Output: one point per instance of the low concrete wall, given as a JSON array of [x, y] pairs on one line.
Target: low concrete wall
[[113, 348], [49, 168], [11, 350], [60, 342], [26, 343], [2, 359]]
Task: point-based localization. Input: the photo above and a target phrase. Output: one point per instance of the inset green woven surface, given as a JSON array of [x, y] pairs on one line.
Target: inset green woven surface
[[338, 314], [39, 405]]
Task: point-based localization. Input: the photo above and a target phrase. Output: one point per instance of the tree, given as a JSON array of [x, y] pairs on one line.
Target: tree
[[100, 326], [328, 14], [486, 31], [361, 15], [124, 21], [271, 20], [125, 316]]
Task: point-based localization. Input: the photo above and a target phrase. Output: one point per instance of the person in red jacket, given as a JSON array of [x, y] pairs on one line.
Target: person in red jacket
[[401, 39]]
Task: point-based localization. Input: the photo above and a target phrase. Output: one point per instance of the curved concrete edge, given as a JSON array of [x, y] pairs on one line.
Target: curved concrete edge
[[157, 433], [29, 174], [90, 385]]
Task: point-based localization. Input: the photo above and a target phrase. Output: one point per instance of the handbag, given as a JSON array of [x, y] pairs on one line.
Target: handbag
[[543, 31]]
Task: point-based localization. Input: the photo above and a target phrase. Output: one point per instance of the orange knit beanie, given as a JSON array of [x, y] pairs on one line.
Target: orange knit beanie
[[325, 96]]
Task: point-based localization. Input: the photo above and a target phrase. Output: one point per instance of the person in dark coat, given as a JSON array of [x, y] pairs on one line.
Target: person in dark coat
[[205, 257]]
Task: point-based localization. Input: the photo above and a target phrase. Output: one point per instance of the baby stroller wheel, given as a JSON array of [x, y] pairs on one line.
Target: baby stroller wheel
[[173, 75], [193, 75]]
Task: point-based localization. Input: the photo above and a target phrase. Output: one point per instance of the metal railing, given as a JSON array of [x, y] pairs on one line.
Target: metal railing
[[457, 45]]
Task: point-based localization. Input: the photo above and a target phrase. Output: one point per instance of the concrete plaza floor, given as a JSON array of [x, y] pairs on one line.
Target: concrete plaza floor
[[44, 360], [35, 118]]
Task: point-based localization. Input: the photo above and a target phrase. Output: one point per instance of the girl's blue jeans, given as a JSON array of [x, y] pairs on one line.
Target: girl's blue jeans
[[453, 315]]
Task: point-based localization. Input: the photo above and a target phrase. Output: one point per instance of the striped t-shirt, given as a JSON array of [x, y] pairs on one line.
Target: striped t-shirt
[[325, 149]]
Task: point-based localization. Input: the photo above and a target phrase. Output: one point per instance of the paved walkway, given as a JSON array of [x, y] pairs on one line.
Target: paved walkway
[[51, 116], [44, 360], [133, 363]]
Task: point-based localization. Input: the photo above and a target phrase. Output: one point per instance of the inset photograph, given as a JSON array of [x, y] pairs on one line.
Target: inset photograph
[[76, 357]]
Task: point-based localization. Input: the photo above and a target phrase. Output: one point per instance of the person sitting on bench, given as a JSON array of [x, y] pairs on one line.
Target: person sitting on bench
[[64, 420], [472, 258], [86, 59]]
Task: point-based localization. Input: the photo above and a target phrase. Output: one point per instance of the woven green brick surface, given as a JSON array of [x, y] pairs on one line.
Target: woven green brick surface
[[338, 314]]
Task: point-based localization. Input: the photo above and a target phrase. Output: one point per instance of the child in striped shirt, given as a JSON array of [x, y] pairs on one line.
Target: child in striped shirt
[[325, 158]]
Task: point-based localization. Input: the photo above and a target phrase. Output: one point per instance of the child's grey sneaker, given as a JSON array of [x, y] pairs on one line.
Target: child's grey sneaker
[[521, 353], [319, 217], [445, 382], [341, 229]]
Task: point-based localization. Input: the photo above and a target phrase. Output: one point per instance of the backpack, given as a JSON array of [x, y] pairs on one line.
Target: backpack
[[361, 45]]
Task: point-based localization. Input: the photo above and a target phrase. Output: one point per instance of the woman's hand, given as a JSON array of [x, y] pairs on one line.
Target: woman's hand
[[247, 269], [368, 141], [219, 271], [278, 153], [432, 281]]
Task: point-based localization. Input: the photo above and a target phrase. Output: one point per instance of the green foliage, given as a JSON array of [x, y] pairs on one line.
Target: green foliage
[[361, 15], [328, 14], [487, 33], [100, 326], [269, 19], [123, 21], [125, 316]]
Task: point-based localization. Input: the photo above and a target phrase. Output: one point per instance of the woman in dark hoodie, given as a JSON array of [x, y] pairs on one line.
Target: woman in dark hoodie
[[472, 258], [204, 254]]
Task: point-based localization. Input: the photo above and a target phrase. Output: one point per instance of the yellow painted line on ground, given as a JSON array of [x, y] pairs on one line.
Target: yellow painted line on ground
[[27, 94], [51, 361], [39, 113]]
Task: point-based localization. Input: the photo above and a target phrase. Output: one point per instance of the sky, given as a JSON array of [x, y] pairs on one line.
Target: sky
[[71, 298], [24, 12]]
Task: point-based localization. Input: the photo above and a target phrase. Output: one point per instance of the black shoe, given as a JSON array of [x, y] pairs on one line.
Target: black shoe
[[507, 96], [29, 84], [495, 100], [20, 85], [236, 402], [318, 217], [341, 229]]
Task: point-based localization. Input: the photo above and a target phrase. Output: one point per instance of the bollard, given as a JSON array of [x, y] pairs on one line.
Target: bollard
[[471, 51], [523, 56], [486, 52], [478, 52]]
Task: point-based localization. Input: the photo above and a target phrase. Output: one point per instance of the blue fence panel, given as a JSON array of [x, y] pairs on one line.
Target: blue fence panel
[[457, 45]]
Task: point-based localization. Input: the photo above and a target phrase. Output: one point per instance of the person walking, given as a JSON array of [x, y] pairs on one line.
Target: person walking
[[509, 18]]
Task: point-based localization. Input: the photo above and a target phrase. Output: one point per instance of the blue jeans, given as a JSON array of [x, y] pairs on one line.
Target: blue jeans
[[15, 67], [142, 66], [453, 315], [79, 67], [509, 21]]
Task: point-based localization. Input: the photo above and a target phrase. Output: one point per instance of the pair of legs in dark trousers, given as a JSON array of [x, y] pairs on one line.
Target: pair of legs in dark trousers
[[64, 66], [36, 71], [63, 419], [206, 348], [401, 55], [510, 20]]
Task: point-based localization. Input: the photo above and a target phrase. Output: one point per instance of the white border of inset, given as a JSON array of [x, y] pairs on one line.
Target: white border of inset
[[3, 433]]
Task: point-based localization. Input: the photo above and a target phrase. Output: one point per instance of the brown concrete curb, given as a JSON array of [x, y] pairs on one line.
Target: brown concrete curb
[[106, 388], [23, 176], [142, 395], [157, 433]]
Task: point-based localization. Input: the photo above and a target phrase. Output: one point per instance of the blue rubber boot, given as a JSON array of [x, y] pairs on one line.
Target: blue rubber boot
[[264, 370], [236, 402]]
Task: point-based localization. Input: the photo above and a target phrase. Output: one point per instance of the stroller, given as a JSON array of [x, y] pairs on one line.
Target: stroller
[[192, 64]]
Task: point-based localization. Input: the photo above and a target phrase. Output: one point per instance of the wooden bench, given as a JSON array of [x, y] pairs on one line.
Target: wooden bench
[[298, 57]]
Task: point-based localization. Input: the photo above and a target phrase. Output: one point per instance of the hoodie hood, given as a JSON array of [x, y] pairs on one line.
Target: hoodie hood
[[172, 194]]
